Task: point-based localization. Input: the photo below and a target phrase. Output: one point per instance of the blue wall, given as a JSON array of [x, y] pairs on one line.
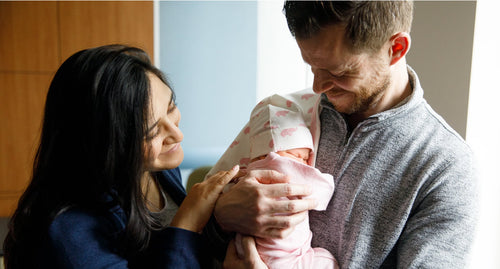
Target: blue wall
[[209, 52]]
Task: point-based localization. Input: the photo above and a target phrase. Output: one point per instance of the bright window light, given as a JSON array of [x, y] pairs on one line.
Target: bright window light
[[483, 131], [280, 68]]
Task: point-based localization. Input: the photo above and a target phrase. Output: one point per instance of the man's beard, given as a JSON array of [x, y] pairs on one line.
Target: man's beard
[[367, 98]]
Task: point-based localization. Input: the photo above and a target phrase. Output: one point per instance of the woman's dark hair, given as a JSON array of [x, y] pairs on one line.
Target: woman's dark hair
[[91, 147]]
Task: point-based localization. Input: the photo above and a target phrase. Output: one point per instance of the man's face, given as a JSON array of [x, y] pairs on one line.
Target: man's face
[[353, 83]]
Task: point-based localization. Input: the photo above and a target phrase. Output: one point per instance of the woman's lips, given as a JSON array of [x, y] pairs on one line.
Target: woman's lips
[[174, 148]]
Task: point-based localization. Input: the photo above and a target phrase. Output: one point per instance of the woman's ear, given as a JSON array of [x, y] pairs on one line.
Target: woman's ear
[[400, 45]]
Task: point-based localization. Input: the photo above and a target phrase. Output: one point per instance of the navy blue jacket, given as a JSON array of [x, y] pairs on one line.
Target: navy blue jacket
[[81, 239]]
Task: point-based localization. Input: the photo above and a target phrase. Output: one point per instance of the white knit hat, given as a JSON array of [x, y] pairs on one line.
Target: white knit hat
[[275, 129]]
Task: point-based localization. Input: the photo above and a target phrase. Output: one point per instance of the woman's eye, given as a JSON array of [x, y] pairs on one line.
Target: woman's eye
[[172, 107], [153, 133], [157, 132]]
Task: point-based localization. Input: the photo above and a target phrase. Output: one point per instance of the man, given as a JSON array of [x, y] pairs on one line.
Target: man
[[405, 186]]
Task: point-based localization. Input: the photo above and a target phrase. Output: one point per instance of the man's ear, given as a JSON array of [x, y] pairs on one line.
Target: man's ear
[[400, 45]]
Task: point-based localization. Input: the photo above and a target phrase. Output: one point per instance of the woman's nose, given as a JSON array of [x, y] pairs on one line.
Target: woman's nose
[[175, 134], [323, 81]]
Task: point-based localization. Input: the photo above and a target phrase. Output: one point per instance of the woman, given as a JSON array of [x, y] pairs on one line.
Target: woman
[[106, 189]]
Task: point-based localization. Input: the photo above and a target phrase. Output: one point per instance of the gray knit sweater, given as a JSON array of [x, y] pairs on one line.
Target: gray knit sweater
[[405, 189]]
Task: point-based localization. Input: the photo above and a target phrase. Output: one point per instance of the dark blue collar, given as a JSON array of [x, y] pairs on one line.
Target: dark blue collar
[[171, 182]]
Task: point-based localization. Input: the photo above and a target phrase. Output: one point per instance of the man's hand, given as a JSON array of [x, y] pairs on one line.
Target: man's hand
[[256, 205], [246, 257]]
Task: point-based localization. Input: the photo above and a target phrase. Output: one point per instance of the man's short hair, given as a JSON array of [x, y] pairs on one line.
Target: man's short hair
[[368, 24]]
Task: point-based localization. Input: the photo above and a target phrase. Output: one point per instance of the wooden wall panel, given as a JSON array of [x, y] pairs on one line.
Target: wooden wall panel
[[35, 37], [26, 44], [22, 97], [94, 23]]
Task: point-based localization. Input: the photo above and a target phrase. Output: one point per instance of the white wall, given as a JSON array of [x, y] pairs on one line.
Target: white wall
[[441, 54]]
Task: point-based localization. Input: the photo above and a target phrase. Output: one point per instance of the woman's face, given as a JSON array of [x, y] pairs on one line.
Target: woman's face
[[163, 148]]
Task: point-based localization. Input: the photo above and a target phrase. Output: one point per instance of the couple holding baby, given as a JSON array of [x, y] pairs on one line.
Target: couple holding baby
[[106, 191]]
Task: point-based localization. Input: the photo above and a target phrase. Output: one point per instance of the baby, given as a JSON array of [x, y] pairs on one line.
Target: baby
[[280, 140]]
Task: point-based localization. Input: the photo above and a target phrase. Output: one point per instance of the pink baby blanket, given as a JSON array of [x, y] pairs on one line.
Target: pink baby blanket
[[299, 173]]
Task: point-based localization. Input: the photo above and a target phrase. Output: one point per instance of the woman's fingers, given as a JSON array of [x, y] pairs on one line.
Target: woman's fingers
[[223, 177], [214, 185], [197, 207]]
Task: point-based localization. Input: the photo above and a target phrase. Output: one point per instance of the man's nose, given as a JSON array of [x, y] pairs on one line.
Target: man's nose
[[323, 81]]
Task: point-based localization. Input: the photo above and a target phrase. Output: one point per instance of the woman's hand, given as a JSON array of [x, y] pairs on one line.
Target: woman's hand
[[197, 207], [256, 205], [245, 257]]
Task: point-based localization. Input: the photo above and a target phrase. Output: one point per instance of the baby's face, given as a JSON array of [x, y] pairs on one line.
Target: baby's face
[[298, 154]]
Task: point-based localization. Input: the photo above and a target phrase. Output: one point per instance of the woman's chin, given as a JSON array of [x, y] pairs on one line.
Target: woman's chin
[[175, 159], [170, 160]]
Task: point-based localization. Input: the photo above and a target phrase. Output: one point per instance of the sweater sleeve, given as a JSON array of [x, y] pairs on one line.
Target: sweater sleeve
[[78, 239], [438, 233], [177, 248], [82, 240]]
